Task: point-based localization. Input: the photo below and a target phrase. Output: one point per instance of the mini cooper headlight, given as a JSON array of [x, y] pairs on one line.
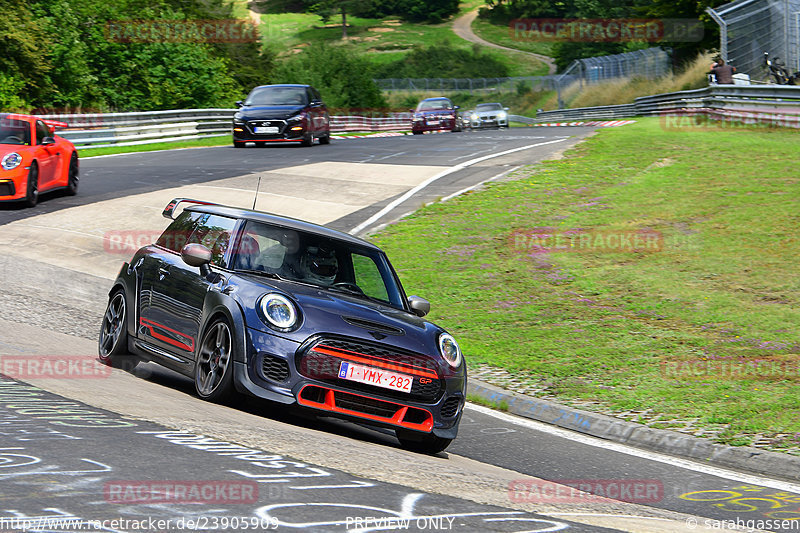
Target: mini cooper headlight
[[11, 161], [278, 310], [450, 350]]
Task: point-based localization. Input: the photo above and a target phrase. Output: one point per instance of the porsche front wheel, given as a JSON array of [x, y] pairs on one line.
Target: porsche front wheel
[[32, 190], [73, 175]]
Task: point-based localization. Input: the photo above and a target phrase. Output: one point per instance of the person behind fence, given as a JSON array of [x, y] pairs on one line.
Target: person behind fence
[[723, 73]]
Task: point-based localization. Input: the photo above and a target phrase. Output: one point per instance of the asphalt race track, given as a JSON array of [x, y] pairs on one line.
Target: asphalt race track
[[115, 450]]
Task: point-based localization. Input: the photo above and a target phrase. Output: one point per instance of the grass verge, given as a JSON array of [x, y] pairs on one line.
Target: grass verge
[[501, 34], [198, 143], [699, 327]]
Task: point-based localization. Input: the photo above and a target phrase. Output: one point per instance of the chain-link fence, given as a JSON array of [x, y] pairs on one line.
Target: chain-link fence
[[749, 28], [648, 63]]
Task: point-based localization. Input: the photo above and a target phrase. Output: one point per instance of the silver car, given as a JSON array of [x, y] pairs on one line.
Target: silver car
[[491, 115]]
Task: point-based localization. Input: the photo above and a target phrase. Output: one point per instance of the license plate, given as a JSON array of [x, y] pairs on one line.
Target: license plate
[[433, 123], [372, 376], [266, 129]]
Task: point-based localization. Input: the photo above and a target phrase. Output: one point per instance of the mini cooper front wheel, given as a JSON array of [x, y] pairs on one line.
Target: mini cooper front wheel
[[213, 372], [112, 346], [429, 444]]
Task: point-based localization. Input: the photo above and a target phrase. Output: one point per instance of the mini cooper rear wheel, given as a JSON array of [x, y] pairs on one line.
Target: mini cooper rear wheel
[[213, 372], [429, 444], [72, 183], [112, 346], [32, 194]]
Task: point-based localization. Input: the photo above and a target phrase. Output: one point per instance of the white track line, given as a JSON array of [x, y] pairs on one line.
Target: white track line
[[750, 479], [441, 174]]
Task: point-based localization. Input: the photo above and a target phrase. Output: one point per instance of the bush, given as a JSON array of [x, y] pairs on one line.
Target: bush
[[444, 61], [342, 77]]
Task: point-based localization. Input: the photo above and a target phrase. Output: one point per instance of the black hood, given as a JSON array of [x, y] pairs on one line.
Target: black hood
[[269, 112]]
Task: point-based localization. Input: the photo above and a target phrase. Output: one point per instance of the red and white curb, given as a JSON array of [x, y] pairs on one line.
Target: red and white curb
[[362, 135], [598, 123]]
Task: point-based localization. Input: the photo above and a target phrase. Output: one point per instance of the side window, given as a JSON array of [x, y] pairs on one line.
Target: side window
[[368, 277], [317, 97], [176, 236], [214, 232], [42, 131]]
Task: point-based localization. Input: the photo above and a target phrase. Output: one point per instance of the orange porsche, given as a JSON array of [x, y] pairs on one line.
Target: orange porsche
[[33, 159]]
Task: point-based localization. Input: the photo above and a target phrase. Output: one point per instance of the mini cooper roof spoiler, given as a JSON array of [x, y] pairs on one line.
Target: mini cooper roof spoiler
[[169, 211]]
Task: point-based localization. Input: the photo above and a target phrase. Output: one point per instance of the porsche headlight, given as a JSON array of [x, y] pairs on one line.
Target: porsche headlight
[[449, 349], [278, 311], [11, 161]]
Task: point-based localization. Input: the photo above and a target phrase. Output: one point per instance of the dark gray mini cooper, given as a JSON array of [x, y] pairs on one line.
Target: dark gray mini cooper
[[289, 311]]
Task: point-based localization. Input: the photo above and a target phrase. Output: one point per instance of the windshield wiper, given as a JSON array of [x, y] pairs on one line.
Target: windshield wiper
[[355, 292], [264, 273]]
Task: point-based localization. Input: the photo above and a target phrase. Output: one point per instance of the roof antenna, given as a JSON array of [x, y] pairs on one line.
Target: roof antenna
[[256, 198]]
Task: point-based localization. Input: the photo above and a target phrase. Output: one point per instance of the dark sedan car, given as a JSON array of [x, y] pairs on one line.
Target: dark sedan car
[[435, 114], [291, 312], [282, 113]]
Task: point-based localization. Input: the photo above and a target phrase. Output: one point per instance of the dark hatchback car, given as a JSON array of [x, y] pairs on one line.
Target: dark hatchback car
[[434, 114], [291, 312], [281, 113]]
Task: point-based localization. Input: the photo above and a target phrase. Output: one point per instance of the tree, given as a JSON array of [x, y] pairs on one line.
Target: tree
[[342, 77]]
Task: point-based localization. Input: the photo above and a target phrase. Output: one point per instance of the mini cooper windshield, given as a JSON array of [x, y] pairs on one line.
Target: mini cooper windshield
[[316, 260]]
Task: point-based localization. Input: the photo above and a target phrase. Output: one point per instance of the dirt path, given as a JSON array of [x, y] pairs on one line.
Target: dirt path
[[462, 27]]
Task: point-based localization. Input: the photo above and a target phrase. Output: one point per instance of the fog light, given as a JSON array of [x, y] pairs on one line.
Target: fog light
[[297, 128], [238, 129]]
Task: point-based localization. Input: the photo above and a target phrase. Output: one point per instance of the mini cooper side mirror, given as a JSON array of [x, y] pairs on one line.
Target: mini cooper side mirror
[[197, 255], [419, 306]]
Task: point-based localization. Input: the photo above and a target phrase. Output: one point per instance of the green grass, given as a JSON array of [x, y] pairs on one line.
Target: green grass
[[380, 40], [501, 34], [492, 404], [597, 325], [213, 141]]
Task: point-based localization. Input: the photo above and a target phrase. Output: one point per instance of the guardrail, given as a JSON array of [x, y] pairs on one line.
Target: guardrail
[[765, 104], [609, 112], [102, 130]]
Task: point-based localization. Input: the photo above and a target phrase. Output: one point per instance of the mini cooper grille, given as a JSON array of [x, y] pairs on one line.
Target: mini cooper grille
[[450, 406], [383, 352], [325, 367], [274, 368]]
